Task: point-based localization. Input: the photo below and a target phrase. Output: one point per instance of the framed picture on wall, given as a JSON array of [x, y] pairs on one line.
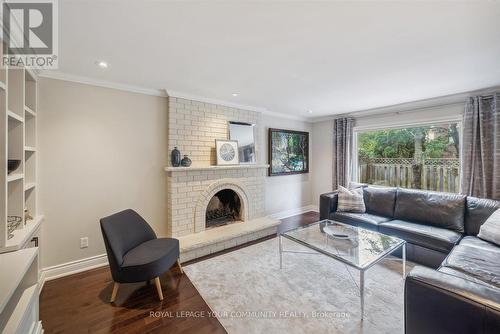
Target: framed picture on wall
[[288, 152], [227, 152]]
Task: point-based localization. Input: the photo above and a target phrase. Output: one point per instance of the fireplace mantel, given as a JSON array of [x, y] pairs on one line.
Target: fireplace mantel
[[209, 168]]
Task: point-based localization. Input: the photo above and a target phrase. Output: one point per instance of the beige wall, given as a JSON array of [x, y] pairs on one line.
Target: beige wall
[[100, 151], [322, 149]]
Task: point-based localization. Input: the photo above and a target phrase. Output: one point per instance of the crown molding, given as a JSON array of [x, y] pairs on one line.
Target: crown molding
[[182, 95], [101, 83], [187, 96], [161, 92], [435, 102]]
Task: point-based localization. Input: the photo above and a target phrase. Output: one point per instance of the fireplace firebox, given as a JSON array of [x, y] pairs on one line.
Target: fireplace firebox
[[223, 208]]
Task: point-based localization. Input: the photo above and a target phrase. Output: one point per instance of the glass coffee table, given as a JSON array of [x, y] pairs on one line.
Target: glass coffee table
[[353, 246]]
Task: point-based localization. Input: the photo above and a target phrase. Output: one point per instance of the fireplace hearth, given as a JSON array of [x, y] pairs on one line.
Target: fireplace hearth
[[223, 208]]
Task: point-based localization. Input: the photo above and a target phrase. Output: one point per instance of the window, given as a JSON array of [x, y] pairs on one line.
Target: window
[[417, 157]]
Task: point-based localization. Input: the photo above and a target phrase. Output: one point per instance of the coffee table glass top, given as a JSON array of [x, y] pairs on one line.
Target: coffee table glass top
[[355, 246]]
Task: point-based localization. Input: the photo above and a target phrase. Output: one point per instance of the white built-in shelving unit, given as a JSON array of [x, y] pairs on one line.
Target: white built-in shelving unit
[[18, 114], [19, 251]]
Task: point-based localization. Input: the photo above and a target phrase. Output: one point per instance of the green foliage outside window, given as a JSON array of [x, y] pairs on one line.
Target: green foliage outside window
[[440, 141]]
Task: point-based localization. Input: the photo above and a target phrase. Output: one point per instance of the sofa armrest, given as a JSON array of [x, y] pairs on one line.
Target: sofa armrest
[[327, 204], [436, 302]]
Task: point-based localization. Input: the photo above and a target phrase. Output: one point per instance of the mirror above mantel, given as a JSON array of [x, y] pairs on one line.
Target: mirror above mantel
[[244, 133]]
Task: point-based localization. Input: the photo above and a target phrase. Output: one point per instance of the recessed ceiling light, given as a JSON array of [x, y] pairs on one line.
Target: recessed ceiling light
[[235, 94], [102, 64], [309, 111]]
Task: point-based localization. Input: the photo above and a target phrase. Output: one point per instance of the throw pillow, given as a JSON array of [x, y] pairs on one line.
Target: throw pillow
[[351, 200], [490, 230]]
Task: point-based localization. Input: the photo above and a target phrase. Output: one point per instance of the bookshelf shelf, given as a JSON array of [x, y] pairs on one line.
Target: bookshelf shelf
[[14, 117], [29, 112], [14, 177]]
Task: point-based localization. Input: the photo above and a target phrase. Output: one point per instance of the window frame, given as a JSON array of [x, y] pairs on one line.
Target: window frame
[[361, 129]]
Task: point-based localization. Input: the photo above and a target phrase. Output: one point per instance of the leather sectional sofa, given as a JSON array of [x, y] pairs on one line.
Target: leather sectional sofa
[[458, 290]]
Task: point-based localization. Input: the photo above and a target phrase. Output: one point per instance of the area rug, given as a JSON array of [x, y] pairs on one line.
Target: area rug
[[248, 292]]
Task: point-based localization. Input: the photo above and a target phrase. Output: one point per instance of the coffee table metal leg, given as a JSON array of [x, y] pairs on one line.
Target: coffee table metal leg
[[362, 292], [281, 251], [404, 260]]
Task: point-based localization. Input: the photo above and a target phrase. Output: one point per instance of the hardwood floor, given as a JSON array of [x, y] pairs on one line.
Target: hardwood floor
[[80, 303], [298, 220]]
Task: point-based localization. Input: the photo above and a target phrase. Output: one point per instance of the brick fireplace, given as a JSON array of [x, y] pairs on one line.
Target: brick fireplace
[[191, 189], [193, 128]]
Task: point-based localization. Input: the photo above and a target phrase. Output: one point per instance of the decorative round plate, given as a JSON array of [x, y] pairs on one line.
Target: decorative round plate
[[339, 232], [227, 152]]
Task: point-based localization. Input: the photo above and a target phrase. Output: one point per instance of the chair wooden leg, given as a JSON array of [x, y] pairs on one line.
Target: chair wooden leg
[[115, 291], [180, 267], [158, 288]]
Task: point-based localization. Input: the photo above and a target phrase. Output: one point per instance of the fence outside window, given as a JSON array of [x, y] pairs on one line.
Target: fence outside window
[[437, 174]]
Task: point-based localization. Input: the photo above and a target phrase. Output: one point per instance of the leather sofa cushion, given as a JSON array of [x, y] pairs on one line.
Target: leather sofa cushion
[[439, 239], [442, 210], [457, 273], [476, 262], [476, 213], [478, 243], [380, 200], [365, 220]]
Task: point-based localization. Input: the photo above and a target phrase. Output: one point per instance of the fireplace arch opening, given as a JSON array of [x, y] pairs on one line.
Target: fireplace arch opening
[[223, 208]]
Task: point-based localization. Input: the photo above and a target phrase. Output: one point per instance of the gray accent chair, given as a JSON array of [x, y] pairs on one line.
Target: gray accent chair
[[135, 254]]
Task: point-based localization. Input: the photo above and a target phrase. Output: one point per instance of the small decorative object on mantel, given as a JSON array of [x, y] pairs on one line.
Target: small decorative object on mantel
[[175, 157], [288, 152], [185, 162], [13, 222], [227, 152]]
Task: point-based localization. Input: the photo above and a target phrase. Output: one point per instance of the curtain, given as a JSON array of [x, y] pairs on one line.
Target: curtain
[[481, 147], [342, 151]]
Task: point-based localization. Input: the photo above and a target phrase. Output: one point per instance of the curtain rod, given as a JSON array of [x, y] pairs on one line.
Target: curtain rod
[[371, 113], [366, 114], [489, 96]]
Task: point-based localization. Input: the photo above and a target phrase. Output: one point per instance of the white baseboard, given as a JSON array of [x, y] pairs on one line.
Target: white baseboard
[[73, 267], [293, 212]]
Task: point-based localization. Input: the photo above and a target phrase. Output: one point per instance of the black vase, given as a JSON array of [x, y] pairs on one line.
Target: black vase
[[176, 157], [186, 162]]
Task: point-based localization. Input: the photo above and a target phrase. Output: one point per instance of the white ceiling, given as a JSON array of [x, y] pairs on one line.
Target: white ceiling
[[287, 57]]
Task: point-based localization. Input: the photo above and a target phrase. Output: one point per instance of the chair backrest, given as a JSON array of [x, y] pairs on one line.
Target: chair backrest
[[123, 231]]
